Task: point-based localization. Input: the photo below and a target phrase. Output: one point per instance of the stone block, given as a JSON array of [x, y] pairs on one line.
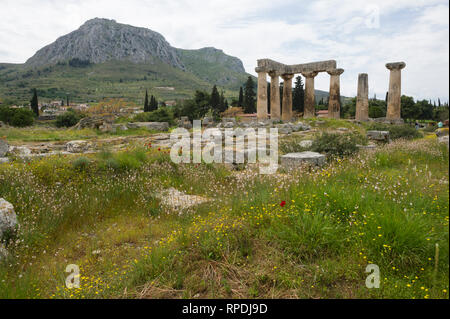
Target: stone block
[[382, 136], [293, 160]]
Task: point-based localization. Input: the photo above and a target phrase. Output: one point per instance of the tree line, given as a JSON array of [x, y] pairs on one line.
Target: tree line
[[411, 110]]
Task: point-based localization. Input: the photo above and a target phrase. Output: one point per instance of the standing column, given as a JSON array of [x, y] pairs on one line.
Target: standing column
[[275, 112], [362, 98], [334, 103], [286, 114], [395, 90], [261, 103], [310, 103]]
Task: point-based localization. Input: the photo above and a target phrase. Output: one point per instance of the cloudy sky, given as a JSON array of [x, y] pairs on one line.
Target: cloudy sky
[[361, 35]]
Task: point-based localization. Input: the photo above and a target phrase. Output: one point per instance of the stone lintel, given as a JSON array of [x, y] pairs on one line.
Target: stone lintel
[[268, 65], [395, 65]]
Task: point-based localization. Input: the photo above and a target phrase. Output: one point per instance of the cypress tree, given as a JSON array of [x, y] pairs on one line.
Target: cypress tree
[[241, 97], [281, 97], [146, 106], [298, 96], [153, 104], [215, 99], [34, 103], [249, 96], [222, 106]]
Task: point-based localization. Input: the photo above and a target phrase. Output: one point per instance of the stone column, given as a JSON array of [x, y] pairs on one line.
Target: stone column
[[395, 90], [286, 114], [334, 103], [275, 112], [362, 98], [261, 102], [309, 110]]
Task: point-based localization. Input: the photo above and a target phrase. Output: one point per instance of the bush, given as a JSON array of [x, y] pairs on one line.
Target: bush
[[397, 131], [162, 114], [17, 117], [122, 161], [292, 145], [81, 163], [67, 119], [336, 144]]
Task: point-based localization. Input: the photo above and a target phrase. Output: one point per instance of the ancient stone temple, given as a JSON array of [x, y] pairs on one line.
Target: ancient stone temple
[[395, 90], [334, 101], [309, 70], [362, 98]]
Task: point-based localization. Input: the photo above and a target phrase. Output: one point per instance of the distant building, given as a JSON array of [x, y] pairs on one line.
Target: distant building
[[55, 103], [81, 107], [170, 103]]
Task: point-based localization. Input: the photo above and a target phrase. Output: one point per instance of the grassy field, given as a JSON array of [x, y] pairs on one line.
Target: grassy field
[[307, 234], [45, 134], [114, 79]]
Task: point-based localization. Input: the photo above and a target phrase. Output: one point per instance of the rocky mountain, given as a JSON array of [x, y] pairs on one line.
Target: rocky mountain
[[101, 40], [104, 59]]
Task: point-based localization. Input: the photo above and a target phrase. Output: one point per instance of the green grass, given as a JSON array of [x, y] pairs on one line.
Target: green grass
[[45, 134], [388, 207], [113, 79]]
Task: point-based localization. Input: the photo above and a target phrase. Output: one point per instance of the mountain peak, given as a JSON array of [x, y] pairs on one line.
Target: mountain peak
[[99, 40]]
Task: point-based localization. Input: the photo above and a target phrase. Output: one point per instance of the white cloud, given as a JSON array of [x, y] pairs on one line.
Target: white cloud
[[361, 36]]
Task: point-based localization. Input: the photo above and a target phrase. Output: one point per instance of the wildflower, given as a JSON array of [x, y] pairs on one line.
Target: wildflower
[[283, 203]]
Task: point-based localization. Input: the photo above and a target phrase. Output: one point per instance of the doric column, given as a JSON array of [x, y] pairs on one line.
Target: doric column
[[334, 103], [275, 112], [261, 103], [395, 90], [286, 114], [310, 104], [362, 98]]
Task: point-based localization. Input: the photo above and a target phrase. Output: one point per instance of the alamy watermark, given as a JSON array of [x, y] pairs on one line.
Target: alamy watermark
[[73, 279], [373, 279], [233, 146]]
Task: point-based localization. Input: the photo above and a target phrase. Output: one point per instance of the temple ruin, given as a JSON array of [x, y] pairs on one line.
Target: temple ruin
[[309, 70], [395, 91], [362, 98]]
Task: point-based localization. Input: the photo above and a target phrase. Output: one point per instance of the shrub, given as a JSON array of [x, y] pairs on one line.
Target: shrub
[[122, 161], [291, 145], [336, 144], [397, 131], [162, 114], [81, 163], [67, 119], [17, 117]]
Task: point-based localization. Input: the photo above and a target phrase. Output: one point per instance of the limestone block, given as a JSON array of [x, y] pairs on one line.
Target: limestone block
[[293, 160]]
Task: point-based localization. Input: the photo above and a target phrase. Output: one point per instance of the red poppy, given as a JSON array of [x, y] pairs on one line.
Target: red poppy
[[283, 203], [159, 149]]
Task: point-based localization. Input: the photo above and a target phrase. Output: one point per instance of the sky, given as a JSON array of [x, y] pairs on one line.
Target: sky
[[362, 36]]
